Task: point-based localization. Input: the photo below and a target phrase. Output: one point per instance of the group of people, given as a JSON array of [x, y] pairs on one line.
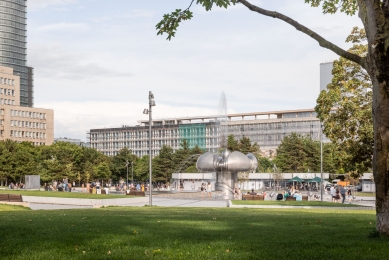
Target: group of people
[[206, 188], [339, 193], [59, 186], [16, 186]]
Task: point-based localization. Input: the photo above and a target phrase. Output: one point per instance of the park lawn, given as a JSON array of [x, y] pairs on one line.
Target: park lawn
[[190, 233], [365, 194], [292, 203], [5, 207], [59, 194]]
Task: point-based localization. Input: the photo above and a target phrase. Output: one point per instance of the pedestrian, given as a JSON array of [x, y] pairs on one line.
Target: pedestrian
[[209, 190], [193, 185], [202, 189], [343, 193], [333, 191], [349, 194]]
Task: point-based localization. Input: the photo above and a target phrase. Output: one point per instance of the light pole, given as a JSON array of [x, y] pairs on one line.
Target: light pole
[[321, 161], [148, 111], [132, 171], [127, 172]]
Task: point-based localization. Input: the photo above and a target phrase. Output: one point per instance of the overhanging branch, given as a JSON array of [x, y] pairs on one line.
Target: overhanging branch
[[322, 42]]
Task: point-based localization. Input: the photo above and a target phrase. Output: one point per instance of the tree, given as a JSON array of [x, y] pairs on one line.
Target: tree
[[374, 15], [350, 126], [244, 145], [163, 164], [118, 163], [102, 171]]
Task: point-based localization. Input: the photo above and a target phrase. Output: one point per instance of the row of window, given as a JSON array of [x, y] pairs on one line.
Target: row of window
[[6, 91], [7, 102], [12, 11], [21, 44], [13, 55], [27, 124], [27, 134], [27, 114], [18, 25], [12, 17], [17, 4], [12, 60], [10, 48]]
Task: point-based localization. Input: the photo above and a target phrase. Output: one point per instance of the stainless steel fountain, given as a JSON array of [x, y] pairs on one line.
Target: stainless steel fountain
[[227, 166]]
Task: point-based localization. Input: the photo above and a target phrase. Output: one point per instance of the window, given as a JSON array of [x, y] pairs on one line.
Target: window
[[13, 92]]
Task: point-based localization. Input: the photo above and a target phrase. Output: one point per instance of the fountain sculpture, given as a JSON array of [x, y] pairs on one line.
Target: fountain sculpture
[[227, 164]]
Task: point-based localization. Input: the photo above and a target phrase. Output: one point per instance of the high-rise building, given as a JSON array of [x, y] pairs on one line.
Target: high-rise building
[[21, 123], [325, 74], [13, 46]]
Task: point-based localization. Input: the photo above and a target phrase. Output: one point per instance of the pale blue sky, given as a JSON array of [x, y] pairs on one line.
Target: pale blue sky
[[96, 60]]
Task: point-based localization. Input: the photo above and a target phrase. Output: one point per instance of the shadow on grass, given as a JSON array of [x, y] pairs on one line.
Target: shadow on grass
[[189, 233]]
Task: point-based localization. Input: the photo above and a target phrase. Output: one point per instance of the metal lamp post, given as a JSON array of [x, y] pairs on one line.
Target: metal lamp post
[[321, 161], [127, 172], [132, 171], [148, 111]]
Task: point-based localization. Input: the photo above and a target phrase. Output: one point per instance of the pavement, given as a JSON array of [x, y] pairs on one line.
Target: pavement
[[168, 202]]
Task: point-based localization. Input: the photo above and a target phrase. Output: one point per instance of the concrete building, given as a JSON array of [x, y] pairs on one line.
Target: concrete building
[[325, 74], [266, 128], [13, 46], [71, 140], [22, 123]]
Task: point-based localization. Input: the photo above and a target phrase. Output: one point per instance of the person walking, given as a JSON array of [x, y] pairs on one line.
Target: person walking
[[209, 190], [333, 191], [349, 194], [343, 193]]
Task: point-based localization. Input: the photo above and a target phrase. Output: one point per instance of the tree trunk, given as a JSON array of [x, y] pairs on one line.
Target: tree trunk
[[381, 153]]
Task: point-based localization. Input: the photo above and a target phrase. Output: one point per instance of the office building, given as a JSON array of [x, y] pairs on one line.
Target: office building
[[266, 128], [21, 123], [13, 46], [325, 74], [72, 141]]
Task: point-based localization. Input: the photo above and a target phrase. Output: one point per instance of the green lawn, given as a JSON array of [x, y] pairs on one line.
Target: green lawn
[[64, 194], [292, 203], [189, 233], [365, 194]]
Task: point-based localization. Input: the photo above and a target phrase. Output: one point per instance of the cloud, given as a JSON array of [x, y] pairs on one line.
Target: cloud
[[38, 4], [63, 27], [74, 119], [132, 14], [51, 61]]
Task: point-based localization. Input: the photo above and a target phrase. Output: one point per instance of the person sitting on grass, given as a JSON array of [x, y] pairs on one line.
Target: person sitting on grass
[[286, 195]]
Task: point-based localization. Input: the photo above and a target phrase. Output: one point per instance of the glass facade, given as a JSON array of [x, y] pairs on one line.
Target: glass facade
[[13, 45], [194, 134]]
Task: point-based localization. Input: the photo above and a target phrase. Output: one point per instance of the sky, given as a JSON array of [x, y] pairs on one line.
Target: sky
[[95, 61]]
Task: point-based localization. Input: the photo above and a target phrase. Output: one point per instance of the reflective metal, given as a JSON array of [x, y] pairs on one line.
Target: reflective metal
[[227, 166]]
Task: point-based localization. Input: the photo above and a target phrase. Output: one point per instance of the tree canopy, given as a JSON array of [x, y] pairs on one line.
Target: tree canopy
[[374, 15], [345, 108]]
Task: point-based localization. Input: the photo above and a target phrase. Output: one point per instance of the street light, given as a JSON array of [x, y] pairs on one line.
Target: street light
[[127, 172], [321, 161], [148, 111], [132, 170]]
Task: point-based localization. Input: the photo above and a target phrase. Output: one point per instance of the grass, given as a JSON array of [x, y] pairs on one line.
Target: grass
[[292, 203], [366, 194], [59, 194], [189, 233]]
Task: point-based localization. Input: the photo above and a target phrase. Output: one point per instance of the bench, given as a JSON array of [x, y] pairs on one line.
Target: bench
[[15, 198], [4, 197], [136, 193], [290, 198], [252, 197]]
